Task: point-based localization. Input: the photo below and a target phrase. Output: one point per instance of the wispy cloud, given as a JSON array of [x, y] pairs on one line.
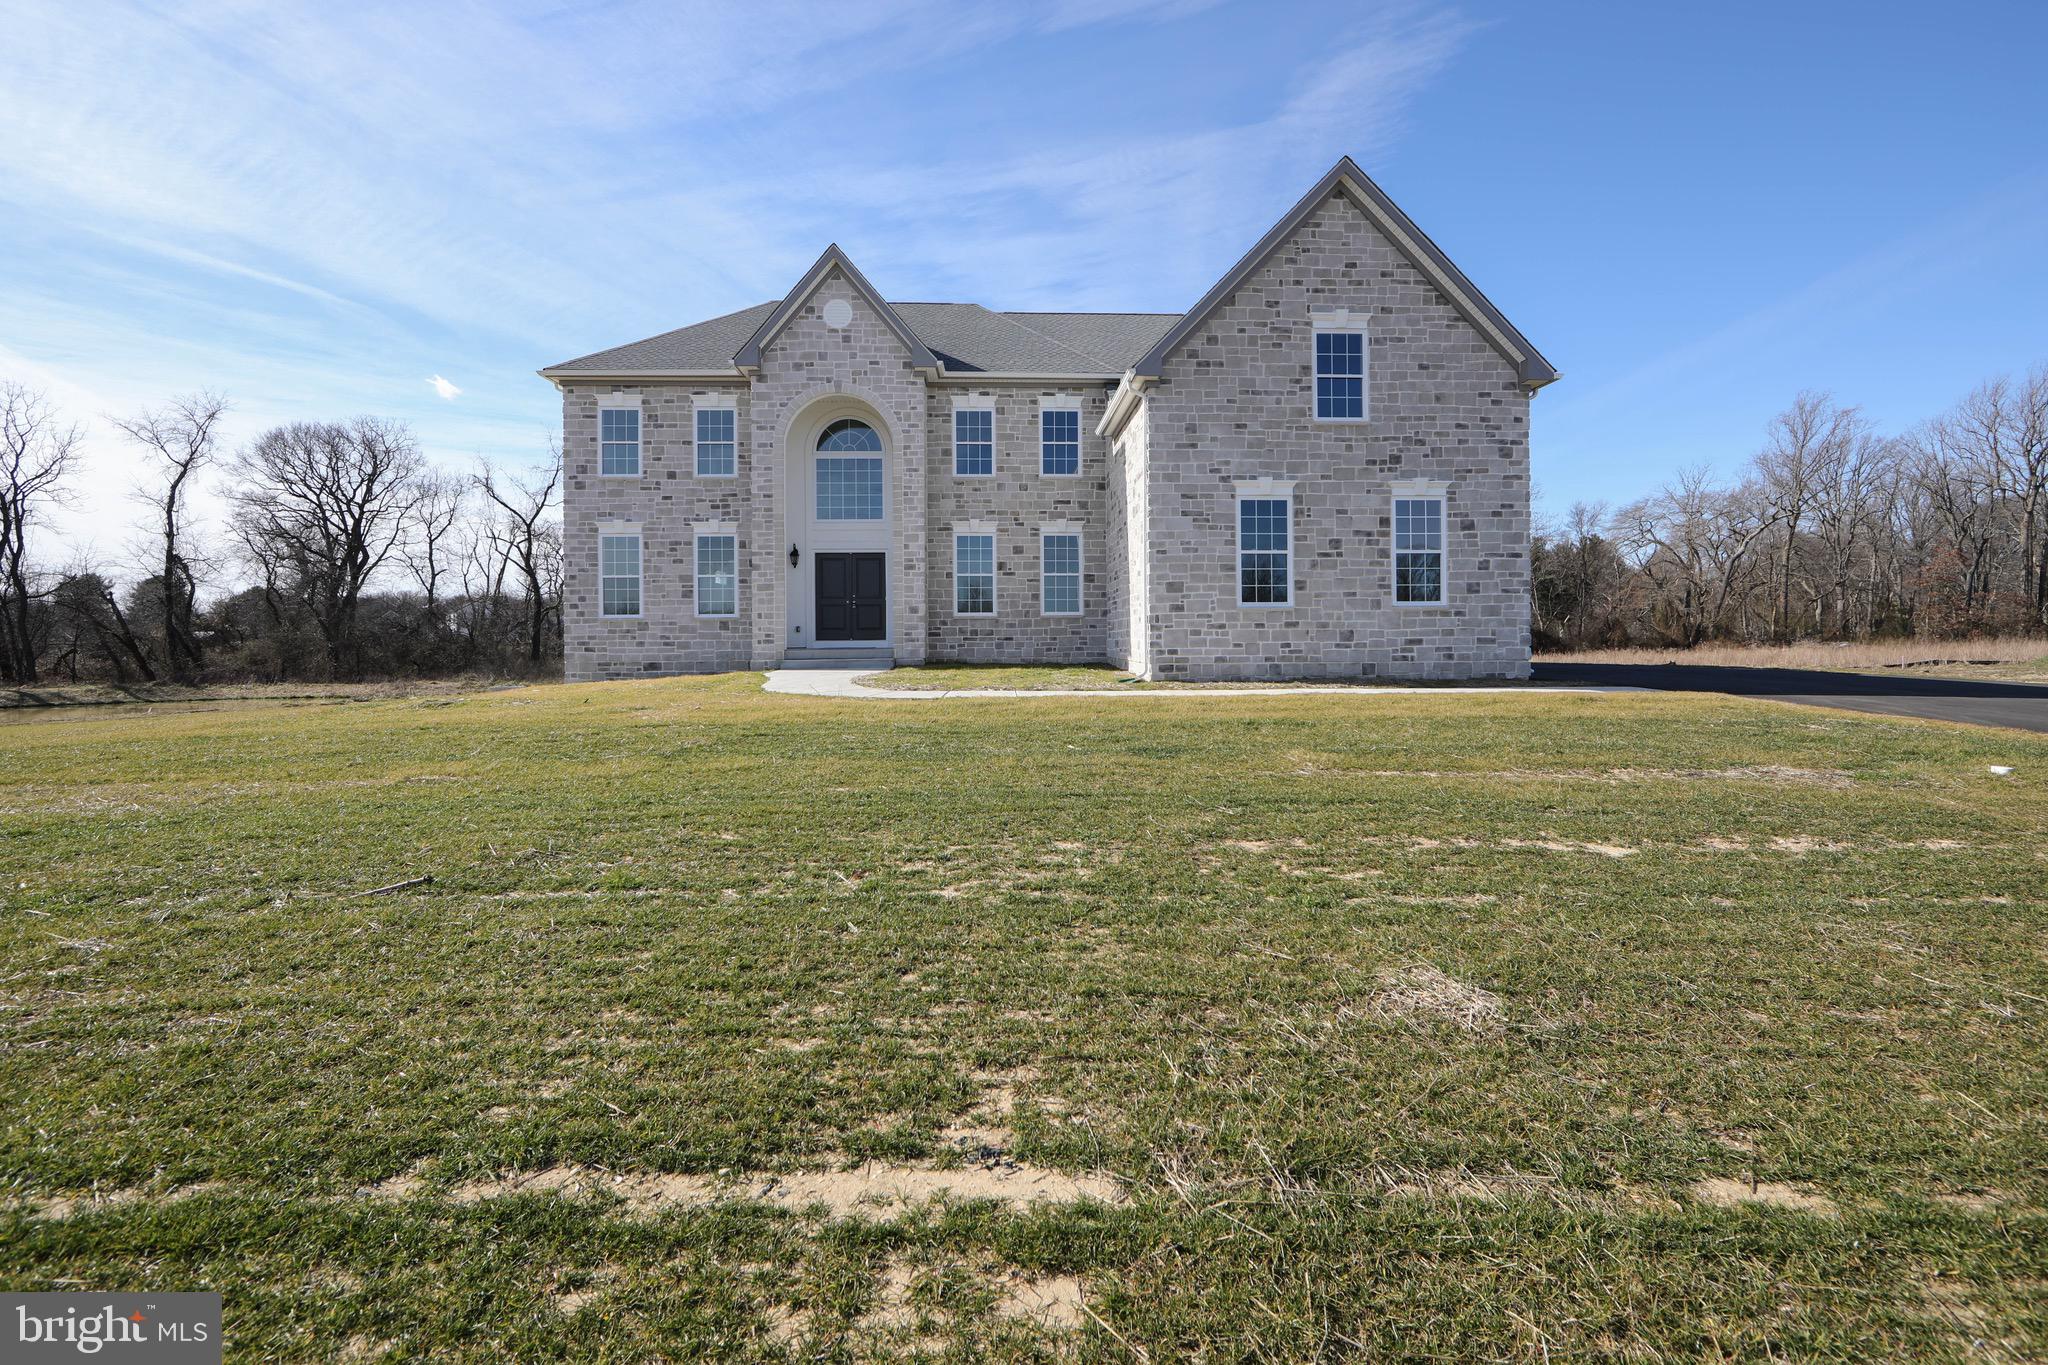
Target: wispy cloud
[[310, 206]]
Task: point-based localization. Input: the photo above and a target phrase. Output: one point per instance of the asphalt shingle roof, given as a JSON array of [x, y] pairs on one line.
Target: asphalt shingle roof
[[966, 336]]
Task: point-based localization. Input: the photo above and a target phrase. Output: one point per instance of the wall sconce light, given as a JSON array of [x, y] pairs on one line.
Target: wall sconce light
[[794, 555]]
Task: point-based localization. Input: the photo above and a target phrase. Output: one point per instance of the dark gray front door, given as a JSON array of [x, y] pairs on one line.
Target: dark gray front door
[[853, 601]]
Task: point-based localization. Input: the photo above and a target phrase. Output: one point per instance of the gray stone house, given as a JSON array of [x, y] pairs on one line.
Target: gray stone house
[[1319, 470]]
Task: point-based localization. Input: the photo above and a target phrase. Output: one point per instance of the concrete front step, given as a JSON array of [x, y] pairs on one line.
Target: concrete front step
[[838, 658]]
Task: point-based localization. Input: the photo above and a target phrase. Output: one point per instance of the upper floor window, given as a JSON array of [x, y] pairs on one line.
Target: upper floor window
[[849, 433], [974, 442], [1265, 548], [718, 574], [1419, 551], [618, 571], [1340, 375], [1059, 441], [1060, 573], [849, 486], [618, 438], [717, 443]]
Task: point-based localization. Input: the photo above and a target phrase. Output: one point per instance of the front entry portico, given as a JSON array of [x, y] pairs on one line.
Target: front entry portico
[[839, 518]]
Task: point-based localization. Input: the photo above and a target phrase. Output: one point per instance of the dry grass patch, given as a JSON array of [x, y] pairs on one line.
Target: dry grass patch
[[1423, 994], [1725, 1193]]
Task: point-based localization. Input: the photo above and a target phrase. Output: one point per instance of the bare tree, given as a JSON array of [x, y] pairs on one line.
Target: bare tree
[[36, 454], [180, 439], [428, 547], [319, 509], [1694, 544], [525, 529]]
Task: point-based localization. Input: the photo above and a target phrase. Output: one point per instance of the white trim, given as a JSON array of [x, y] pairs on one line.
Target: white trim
[[713, 531], [620, 532], [623, 402], [1258, 490], [1019, 377], [974, 402], [976, 529], [1062, 402], [1341, 320], [1402, 492], [1065, 528], [699, 405], [964, 404]]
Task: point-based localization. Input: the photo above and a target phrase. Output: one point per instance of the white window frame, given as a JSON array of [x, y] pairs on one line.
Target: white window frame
[[977, 530], [619, 530], [697, 414], [1064, 528], [623, 402], [1420, 490], [713, 530], [1062, 403], [1341, 320], [1261, 490], [988, 408]]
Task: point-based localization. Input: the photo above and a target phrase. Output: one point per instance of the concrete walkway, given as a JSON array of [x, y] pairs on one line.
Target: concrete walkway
[[845, 682]]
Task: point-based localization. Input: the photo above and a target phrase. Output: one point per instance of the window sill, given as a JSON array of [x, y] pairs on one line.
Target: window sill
[[1069, 615], [959, 475], [1045, 475], [702, 475], [615, 616], [1341, 421], [634, 475]]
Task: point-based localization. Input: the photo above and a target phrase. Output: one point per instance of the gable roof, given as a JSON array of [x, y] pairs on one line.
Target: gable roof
[[966, 338], [749, 356], [1530, 366]]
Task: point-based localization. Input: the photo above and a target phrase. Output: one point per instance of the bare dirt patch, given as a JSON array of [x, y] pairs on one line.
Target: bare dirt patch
[[1725, 1193], [68, 1205], [1570, 846], [1421, 993], [1054, 1301], [871, 1188]]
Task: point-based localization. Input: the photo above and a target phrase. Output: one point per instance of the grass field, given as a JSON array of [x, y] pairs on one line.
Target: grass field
[[2014, 658], [1467, 1027]]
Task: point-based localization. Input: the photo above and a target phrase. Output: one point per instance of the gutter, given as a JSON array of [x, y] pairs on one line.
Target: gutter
[[1129, 390]]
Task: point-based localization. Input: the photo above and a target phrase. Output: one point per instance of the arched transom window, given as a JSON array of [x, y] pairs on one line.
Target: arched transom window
[[849, 433], [849, 486]]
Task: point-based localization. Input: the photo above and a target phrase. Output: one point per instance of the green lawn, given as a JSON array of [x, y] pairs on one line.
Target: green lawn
[[1465, 1027], [1079, 677]]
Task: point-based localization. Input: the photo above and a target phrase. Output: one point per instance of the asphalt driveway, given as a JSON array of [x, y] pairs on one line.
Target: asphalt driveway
[[2018, 705]]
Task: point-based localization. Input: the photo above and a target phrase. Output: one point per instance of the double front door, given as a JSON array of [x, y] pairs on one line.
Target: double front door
[[853, 596]]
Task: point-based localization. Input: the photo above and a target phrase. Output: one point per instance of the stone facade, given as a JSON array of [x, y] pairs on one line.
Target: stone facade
[[1236, 403], [1155, 501]]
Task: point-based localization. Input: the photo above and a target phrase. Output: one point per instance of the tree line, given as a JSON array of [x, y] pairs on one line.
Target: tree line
[[345, 555], [1833, 531]]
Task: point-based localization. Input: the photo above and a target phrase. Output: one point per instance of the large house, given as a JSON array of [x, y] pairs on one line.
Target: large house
[[1320, 470]]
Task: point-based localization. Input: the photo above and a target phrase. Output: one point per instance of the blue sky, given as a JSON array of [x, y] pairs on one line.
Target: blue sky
[[1696, 211]]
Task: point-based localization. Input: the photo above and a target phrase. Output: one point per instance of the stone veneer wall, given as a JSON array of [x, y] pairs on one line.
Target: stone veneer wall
[[667, 501], [1236, 402], [865, 361], [1017, 501]]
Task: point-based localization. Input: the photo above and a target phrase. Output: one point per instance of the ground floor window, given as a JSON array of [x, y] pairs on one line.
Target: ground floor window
[[1060, 574], [1265, 549], [718, 575], [1418, 551], [974, 574], [618, 558]]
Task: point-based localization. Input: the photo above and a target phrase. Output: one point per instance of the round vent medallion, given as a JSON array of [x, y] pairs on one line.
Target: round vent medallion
[[838, 312]]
